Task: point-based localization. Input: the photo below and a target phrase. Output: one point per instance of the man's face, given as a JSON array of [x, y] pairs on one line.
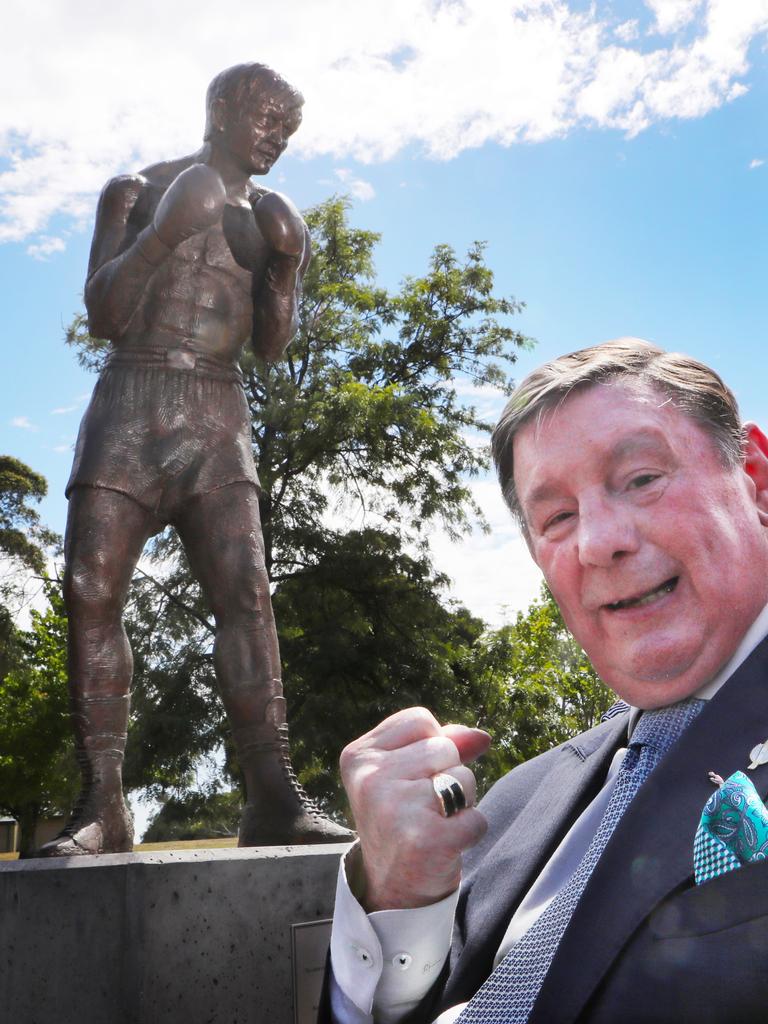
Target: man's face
[[258, 132], [653, 549]]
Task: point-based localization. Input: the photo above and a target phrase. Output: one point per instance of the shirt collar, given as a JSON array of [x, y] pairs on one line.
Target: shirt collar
[[756, 632]]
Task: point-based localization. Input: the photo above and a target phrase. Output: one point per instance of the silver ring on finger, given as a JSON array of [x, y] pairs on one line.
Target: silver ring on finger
[[450, 794]]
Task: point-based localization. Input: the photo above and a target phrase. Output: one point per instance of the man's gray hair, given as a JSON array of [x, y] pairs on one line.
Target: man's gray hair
[[242, 81], [692, 387]]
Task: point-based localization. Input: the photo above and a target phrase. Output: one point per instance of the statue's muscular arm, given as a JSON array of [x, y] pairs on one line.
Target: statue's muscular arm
[[277, 294], [131, 241], [124, 255]]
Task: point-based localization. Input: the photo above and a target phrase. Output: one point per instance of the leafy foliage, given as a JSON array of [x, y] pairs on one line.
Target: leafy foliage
[[91, 353], [22, 536], [195, 816], [363, 633], [176, 718], [365, 408], [38, 772]]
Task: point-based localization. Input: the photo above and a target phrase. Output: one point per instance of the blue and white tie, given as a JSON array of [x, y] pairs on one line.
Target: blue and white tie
[[508, 995]]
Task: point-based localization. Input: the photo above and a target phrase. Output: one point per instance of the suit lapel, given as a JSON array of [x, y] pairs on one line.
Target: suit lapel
[[651, 852], [510, 868]]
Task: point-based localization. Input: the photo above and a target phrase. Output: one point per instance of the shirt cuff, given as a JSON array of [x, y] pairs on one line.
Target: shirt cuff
[[388, 960], [343, 1010]]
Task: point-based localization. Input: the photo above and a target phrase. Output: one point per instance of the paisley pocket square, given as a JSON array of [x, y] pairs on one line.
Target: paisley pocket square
[[733, 829]]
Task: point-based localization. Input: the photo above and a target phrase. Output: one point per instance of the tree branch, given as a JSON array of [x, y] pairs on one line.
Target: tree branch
[[179, 604]]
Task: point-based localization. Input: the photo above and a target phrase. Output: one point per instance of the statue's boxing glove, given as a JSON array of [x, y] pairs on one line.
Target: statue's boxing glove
[[281, 225], [193, 202]]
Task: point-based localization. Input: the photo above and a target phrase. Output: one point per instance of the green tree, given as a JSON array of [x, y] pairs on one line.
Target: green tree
[[23, 538], [36, 760], [364, 632], [365, 410], [204, 815], [176, 719], [38, 773]]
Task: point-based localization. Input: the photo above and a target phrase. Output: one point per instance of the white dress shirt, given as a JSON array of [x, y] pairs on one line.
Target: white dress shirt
[[384, 963]]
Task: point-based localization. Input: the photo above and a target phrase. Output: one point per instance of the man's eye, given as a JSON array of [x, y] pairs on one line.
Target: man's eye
[[555, 520], [643, 480]]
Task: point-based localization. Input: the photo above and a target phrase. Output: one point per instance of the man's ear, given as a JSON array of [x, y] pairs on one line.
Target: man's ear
[[219, 114], [756, 466]]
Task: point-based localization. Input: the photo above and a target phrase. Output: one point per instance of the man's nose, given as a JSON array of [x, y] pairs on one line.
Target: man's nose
[[607, 532]]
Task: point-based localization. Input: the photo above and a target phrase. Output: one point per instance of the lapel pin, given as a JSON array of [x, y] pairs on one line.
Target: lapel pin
[[759, 755]]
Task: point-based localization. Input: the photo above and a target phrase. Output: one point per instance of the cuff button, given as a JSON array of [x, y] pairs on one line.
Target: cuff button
[[363, 956], [402, 961]]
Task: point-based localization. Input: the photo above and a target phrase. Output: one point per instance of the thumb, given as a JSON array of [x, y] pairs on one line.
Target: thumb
[[470, 743]]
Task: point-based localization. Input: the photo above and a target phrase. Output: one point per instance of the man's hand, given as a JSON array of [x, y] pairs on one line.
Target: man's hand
[[193, 202], [281, 225], [411, 854]]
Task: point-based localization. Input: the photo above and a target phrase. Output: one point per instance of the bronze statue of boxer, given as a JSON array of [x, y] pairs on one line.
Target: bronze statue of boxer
[[190, 260]]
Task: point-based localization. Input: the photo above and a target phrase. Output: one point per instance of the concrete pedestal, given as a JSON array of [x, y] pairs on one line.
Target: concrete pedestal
[[198, 937]]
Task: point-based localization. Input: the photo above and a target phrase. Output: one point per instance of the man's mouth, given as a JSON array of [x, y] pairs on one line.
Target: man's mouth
[[644, 599]]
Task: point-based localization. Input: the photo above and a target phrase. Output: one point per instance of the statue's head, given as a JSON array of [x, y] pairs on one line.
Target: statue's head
[[252, 111]]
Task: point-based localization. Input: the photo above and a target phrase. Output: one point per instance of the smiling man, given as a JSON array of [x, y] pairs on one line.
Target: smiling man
[[644, 500], [190, 260]]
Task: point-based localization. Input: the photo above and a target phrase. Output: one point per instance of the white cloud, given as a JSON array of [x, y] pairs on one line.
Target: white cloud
[[360, 189], [632, 90], [468, 389], [627, 31], [22, 423], [64, 409], [437, 75], [46, 247], [60, 448], [672, 15], [753, 164], [492, 574]]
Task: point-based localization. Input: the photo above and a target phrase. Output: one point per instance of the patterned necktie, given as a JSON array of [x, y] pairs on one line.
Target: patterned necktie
[[508, 995]]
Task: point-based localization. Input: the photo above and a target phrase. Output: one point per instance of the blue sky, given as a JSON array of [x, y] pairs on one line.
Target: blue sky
[[610, 155]]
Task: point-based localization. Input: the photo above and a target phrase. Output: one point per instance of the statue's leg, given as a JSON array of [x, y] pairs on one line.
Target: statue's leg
[[106, 532], [221, 533]]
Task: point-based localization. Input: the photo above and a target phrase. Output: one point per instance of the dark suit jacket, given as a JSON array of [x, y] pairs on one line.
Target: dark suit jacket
[[645, 944]]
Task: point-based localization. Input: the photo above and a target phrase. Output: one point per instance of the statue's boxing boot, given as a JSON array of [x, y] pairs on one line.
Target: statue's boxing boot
[[101, 821], [278, 811]]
